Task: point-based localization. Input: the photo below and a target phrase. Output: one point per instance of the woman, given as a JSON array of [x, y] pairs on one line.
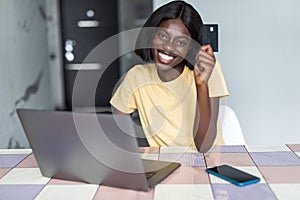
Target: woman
[[177, 91]]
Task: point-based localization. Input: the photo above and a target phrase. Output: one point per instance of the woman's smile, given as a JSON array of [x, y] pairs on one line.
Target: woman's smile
[[165, 57]]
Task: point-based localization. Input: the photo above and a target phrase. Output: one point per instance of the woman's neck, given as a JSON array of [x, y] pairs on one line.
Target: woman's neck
[[171, 74]]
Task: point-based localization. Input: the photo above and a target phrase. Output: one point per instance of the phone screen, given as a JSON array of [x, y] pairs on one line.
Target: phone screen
[[233, 175]]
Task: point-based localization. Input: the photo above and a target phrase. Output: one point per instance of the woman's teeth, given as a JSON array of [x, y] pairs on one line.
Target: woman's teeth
[[165, 58]]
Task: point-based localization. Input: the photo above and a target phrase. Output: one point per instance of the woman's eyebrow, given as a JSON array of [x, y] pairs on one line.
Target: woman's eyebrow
[[183, 36], [163, 30]]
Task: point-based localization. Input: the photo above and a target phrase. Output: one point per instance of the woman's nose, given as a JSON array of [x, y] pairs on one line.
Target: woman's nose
[[168, 46]]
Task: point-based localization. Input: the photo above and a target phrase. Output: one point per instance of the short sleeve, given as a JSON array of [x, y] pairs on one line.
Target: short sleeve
[[123, 99], [216, 83]]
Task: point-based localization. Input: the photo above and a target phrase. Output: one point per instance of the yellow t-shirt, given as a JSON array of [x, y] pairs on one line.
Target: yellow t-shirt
[[166, 109]]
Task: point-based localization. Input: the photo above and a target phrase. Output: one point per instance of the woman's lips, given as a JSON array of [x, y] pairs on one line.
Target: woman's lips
[[165, 57]]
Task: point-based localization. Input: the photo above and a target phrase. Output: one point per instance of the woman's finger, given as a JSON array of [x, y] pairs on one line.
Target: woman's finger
[[208, 49]]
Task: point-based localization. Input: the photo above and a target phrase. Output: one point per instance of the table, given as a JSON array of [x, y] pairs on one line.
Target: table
[[278, 166]]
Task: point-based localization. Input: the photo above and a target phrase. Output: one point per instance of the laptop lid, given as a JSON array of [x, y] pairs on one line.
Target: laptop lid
[[89, 147]]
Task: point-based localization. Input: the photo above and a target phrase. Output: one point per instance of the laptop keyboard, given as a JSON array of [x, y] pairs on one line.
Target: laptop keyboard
[[150, 174]]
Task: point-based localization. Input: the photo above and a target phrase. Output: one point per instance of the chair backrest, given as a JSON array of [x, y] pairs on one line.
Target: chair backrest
[[231, 129]]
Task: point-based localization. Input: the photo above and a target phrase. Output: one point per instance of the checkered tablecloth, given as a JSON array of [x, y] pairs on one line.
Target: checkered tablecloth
[[278, 166]]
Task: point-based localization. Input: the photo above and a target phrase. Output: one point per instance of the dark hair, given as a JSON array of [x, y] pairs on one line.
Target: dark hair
[[173, 10]]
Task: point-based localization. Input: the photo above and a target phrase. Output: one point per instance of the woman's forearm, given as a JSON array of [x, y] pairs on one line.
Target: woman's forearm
[[205, 127]]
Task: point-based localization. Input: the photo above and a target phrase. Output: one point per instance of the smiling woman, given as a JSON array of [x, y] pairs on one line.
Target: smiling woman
[[177, 91], [169, 48]]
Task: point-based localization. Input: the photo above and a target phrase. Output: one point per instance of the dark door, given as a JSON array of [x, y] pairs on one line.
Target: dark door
[[85, 25]]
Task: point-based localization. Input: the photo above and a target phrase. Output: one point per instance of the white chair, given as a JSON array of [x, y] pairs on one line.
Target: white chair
[[231, 129]]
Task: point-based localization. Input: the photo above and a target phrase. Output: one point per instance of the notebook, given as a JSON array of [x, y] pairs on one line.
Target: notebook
[[89, 147]]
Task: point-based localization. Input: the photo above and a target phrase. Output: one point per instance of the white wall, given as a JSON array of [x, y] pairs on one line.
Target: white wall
[[24, 73], [259, 47]]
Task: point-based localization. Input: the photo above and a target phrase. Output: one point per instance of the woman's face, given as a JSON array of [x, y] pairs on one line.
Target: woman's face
[[170, 44]]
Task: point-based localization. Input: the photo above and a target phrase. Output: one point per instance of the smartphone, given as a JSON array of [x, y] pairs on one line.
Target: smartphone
[[210, 35], [233, 175]]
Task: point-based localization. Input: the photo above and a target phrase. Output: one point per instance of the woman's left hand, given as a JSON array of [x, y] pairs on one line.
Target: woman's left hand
[[204, 65]]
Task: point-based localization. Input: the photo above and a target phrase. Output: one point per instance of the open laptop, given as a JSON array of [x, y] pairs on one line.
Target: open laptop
[[89, 147]]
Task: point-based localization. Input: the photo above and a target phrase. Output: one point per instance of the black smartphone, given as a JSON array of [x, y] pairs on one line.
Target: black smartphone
[[210, 35], [233, 175]]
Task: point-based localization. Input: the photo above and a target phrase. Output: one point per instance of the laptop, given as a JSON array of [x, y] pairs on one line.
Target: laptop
[[92, 148]]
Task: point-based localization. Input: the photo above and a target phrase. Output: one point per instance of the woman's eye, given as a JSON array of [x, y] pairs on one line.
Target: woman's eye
[[181, 43], [162, 36]]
